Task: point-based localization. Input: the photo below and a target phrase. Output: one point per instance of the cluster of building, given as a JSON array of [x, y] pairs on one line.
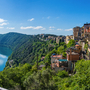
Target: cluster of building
[[57, 39], [82, 36], [58, 62], [78, 52], [81, 32]]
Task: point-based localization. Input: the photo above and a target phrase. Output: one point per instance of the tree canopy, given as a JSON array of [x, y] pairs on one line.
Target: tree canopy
[[71, 43]]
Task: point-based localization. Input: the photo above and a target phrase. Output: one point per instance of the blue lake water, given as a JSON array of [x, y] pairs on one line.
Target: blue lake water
[[4, 54]]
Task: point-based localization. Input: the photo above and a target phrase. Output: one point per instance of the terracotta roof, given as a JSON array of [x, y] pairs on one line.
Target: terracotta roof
[[57, 56], [77, 45]]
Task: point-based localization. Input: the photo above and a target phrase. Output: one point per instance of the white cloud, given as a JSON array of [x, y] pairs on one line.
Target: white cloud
[[38, 27], [59, 29], [1, 62], [48, 17], [31, 27], [69, 29], [2, 20], [43, 28], [52, 27], [3, 24], [2, 56], [1, 27], [10, 27], [31, 19]]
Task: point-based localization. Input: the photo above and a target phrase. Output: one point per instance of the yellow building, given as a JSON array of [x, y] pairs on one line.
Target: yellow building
[[68, 38]]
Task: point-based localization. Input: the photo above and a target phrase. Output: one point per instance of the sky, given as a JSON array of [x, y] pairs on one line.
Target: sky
[[43, 16]]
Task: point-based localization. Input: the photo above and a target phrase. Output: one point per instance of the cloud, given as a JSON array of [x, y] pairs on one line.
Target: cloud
[[43, 28], [1, 27], [2, 20], [2, 56], [59, 29], [1, 62], [3, 24], [52, 27], [31, 19], [69, 29], [48, 17], [38, 27], [10, 27], [31, 27]]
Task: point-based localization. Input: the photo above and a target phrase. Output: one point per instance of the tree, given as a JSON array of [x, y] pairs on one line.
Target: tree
[[86, 46], [62, 74], [64, 54], [71, 43], [60, 50], [59, 42]]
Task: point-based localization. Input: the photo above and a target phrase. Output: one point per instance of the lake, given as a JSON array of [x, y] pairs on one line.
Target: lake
[[4, 54]]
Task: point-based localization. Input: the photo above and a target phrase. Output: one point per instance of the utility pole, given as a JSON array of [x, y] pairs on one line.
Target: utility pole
[[37, 61]]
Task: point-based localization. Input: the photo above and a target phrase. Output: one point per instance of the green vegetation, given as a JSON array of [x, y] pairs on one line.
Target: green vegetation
[[71, 43], [86, 46], [25, 48], [27, 77]]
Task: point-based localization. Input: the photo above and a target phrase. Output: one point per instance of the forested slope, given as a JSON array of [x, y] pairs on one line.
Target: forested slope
[[27, 77], [25, 47], [21, 45], [14, 40]]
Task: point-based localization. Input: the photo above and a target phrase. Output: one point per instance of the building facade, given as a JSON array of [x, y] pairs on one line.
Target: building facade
[[72, 56], [76, 33], [68, 38]]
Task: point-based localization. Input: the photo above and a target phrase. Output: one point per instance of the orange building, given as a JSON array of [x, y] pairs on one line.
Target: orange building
[[79, 48], [72, 56]]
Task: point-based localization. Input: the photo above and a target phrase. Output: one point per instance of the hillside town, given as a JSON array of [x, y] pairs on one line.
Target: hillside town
[[81, 50]]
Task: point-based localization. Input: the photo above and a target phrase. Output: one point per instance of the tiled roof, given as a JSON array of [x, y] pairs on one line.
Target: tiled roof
[[57, 56], [77, 45]]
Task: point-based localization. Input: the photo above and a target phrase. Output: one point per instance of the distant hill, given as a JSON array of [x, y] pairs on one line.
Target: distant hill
[[14, 40], [25, 47]]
